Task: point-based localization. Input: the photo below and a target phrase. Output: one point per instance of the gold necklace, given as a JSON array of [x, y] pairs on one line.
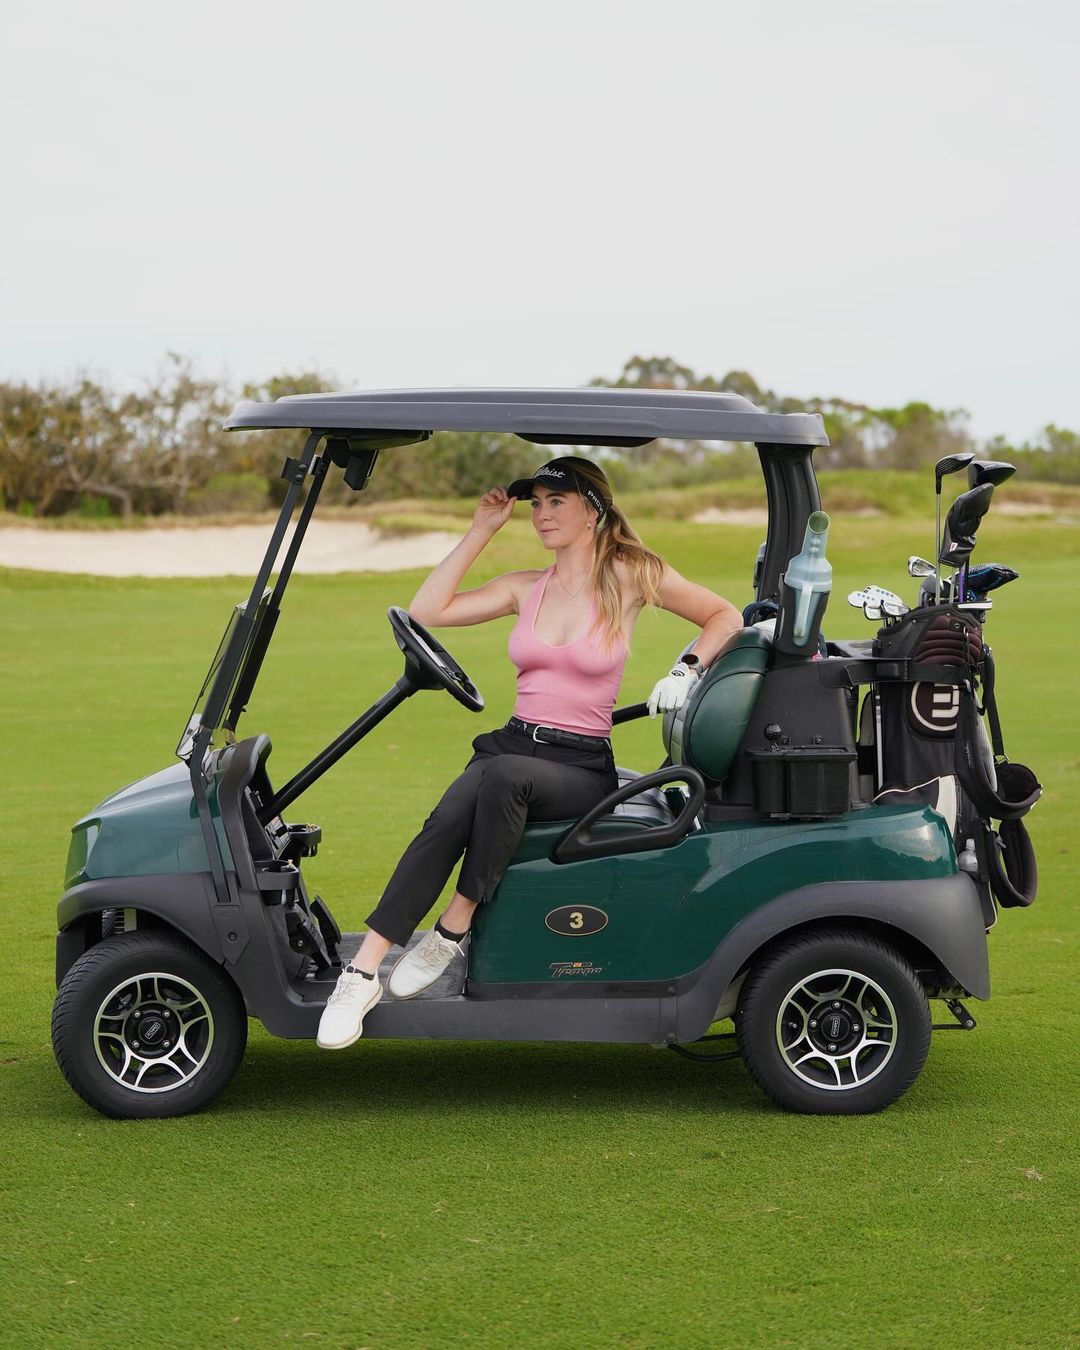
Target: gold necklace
[[572, 594]]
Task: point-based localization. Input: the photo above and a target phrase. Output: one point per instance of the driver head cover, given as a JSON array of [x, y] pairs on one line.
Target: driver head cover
[[568, 474]]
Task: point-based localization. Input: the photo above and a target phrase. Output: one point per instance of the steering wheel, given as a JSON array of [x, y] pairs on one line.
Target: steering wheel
[[428, 665]]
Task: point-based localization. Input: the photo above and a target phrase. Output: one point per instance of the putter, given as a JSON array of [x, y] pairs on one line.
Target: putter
[[986, 577], [950, 464]]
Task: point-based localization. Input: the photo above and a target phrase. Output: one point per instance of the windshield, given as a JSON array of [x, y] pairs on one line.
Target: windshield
[[221, 679]]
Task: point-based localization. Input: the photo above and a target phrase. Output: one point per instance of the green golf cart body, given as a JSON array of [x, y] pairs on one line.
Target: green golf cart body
[[750, 875]]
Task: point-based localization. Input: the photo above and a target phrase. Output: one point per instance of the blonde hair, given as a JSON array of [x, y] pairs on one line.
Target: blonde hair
[[617, 541]]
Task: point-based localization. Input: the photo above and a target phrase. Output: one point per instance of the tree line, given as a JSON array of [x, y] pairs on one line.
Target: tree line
[[83, 446]]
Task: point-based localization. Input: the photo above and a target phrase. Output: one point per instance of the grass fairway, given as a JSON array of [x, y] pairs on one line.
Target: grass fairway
[[422, 1194]]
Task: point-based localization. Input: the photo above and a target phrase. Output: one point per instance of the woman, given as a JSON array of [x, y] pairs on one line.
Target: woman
[[553, 760]]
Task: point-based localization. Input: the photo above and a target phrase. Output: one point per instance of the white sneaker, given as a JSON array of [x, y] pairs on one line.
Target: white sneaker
[[342, 1021], [422, 965]]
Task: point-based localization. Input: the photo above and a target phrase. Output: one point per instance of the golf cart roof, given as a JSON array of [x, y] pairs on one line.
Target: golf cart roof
[[357, 427], [592, 416]]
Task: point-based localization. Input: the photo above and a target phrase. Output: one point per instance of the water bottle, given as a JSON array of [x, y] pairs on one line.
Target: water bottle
[[804, 590]]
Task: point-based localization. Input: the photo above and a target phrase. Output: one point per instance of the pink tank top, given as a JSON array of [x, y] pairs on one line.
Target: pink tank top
[[572, 687]]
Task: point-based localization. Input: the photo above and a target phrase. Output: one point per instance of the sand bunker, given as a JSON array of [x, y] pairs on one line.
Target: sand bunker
[[215, 550], [743, 515]]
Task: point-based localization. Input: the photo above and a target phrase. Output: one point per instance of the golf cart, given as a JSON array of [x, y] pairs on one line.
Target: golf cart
[[798, 862]]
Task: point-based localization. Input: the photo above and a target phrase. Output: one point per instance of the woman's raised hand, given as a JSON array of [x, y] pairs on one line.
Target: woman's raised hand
[[493, 510]]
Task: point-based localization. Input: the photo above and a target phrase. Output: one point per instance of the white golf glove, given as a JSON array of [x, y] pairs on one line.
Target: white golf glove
[[671, 692]]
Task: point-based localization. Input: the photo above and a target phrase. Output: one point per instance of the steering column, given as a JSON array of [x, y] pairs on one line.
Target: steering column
[[428, 665]]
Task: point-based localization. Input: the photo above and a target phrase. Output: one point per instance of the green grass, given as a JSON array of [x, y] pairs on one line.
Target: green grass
[[424, 1194]]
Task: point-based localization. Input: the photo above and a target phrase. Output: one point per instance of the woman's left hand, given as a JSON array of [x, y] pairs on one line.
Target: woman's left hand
[[671, 692]]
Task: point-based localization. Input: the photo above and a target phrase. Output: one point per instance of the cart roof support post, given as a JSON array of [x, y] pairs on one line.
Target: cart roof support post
[[792, 493]]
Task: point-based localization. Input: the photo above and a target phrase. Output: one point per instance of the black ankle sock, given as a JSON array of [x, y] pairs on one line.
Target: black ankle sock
[[446, 933], [350, 969]]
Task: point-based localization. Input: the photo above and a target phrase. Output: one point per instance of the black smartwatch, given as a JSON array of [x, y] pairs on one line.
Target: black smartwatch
[[692, 661]]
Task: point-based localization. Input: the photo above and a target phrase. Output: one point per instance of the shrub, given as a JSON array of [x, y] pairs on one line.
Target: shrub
[[230, 493]]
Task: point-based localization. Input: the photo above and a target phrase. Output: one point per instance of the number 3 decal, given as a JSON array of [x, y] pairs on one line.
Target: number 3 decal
[[576, 920]]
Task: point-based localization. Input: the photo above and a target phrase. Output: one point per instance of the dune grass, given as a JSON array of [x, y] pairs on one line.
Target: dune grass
[[424, 1194]]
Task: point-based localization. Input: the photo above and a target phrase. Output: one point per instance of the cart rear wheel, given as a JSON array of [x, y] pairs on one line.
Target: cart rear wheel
[[145, 1026], [833, 1022]]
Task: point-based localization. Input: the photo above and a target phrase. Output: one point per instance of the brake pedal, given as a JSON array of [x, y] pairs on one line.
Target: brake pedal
[[328, 926]]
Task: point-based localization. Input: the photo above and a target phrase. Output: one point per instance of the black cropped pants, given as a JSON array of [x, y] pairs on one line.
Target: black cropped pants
[[510, 779]]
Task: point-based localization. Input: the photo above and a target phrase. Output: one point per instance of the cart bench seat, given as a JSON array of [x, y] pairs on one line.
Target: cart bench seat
[[650, 807]]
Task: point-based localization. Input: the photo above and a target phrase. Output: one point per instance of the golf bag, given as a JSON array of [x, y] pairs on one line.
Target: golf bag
[[934, 744], [919, 719]]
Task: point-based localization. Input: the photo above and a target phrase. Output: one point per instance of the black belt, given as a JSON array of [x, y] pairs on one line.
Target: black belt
[[556, 736]]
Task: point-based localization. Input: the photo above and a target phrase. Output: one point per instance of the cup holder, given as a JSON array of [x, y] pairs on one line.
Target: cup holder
[[277, 880]]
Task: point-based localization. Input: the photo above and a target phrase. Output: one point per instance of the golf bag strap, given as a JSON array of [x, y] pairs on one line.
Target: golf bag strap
[[990, 703], [1014, 874], [1016, 790], [849, 674]]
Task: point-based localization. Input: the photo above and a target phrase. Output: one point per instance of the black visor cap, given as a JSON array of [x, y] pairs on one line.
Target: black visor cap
[[555, 474]]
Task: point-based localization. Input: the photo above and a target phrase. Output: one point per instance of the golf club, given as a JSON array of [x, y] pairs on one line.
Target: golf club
[[924, 570], [877, 603], [986, 577], [981, 578], [926, 590], [961, 525], [962, 522], [994, 471], [982, 471], [950, 464]]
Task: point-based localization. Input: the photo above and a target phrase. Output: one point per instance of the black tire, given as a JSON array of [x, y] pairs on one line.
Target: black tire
[[193, 1013], [798, 997]]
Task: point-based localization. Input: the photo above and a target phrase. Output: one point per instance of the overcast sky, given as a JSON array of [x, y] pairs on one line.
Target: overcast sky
[[870, 198]]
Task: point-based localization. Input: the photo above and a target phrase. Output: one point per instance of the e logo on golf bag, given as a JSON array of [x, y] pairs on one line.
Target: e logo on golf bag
[[576, 920], [934, 709]]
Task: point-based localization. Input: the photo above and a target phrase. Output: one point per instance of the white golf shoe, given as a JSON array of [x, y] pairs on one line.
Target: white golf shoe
[[342, 1021], [422, 965]]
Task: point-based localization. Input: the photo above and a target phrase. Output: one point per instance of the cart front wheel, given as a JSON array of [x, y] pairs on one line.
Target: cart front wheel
[[833, 1022], [145, 1026]]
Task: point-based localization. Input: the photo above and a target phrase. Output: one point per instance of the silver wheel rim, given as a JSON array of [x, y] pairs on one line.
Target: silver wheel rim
[[836, 1029], [153, 1033]]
